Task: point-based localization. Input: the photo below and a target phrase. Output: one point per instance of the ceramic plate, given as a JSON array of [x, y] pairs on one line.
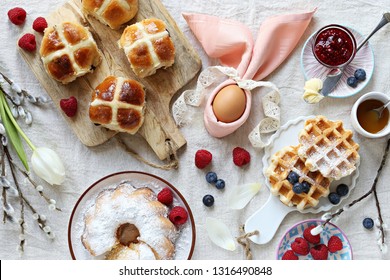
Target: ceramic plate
[[185, 242], [329, 230], [287, 135], [364, 59]]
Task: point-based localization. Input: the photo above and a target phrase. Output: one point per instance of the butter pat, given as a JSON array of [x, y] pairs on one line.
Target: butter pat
[[312, 91], [312, 97]]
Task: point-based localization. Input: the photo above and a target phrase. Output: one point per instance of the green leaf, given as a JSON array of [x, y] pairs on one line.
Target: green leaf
[[13, 134]]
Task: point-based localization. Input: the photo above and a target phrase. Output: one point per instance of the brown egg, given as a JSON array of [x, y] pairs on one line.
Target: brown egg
[[229, 104]]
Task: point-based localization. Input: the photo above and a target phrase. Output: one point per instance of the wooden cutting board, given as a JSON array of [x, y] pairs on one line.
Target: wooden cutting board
[[159, 127]]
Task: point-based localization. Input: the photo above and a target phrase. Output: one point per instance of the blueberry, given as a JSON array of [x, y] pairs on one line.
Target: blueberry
[[211, 177], [352, 82], [334, 198], [208, 200], [220, 184], [342, 190], [360, 74], [368, 223], [298, 188], [306, 186], [293, 177]]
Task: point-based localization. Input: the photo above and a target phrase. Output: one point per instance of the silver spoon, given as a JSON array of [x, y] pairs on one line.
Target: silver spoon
[[380, 110], [333, 78]]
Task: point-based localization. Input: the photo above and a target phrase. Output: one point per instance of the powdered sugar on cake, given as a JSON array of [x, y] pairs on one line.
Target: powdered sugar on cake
[[127, 204]]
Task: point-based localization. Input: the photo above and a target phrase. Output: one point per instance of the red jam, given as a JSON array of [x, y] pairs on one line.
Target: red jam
[[334, 46]]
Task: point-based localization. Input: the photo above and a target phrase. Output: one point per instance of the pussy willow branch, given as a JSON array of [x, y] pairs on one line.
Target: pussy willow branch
[[41, 223], [32, 182], [371, 191], [4, 194], [10, 82], [21, 201]]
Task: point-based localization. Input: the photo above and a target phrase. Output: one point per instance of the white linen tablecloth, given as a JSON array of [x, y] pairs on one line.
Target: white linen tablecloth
[[86, 165]]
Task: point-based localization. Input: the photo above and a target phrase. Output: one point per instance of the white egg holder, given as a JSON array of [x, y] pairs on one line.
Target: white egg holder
[[267, 219]]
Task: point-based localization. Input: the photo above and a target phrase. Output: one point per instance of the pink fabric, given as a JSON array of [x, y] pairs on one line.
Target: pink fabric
[[232, 43], [215, 35]]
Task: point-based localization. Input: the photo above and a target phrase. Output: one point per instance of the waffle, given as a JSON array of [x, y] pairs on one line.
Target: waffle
[[327, 147], [285, 161]]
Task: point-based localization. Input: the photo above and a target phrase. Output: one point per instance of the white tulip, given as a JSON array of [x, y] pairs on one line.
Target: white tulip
[[48, 166]]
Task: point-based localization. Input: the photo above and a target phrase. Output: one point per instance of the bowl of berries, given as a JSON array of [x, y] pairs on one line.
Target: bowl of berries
[[301, 243]]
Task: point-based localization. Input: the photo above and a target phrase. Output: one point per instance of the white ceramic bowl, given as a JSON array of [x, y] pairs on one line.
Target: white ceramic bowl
[[355, 123]]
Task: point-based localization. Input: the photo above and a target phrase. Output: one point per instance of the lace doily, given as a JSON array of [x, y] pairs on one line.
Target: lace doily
[[209, 77]]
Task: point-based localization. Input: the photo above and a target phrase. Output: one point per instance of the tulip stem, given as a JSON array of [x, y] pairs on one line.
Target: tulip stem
[[16, 125]]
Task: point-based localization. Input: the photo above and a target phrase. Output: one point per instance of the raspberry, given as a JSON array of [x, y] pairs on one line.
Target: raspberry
[[27, 42], [289, 255], [313, 239], [319, 252], [39, 24], [334, 244], [165, 196], [69, 106], [17, 15], [203, 158], [178, 215], [241, 156], [300, 246]]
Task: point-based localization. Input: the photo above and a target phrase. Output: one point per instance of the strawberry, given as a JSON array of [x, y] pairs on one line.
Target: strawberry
[[178, 215], [17, 15], [313, 239], [289, 255], [300, 246], [334, 244], [27, 42], [39, 24], [165, 196], [319, 252], [241, 156], [203, 158], [69, 106]]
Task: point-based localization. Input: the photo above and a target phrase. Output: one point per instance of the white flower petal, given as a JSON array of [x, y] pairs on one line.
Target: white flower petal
[[219, 234], [48, 166], [239, 196]]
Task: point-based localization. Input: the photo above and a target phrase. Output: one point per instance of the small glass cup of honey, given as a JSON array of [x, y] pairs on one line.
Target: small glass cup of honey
[[365, 121]]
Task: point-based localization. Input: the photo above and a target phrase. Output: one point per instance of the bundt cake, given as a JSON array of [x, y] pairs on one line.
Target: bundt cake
[[135, 251], [129, 222]]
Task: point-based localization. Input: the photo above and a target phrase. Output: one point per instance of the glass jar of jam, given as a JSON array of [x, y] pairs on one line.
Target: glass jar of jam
[[334, 46]]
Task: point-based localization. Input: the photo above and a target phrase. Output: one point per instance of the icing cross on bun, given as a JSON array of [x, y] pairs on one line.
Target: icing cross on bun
[[68, 51], [148, 46], [113, 13], [118, 104], [129, 223]]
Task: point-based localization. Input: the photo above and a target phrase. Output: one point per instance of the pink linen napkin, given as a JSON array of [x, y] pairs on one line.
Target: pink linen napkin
[[232, 43]]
